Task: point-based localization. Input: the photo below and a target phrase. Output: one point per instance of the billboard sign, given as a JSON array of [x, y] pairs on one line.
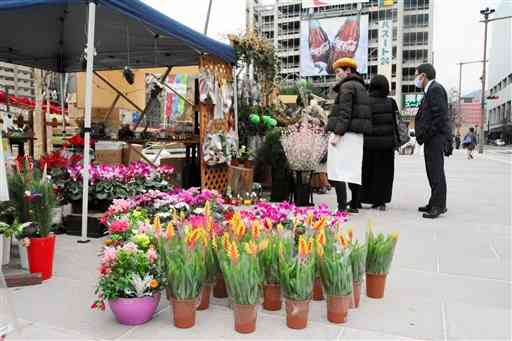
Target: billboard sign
[[413, 100], [326, 40], [322, 3]]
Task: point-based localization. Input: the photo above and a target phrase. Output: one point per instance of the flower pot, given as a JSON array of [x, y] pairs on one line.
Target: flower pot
[[248, 164], [375, 284], [297, 314], [234, 162], [168, 294], [272, 297], [245, 318], [337, 308], [23, 256], [134, 311], [356, 295], [40, 255], [5, 250], [318, 292], [184, 312], [219, 290], [205, 297]]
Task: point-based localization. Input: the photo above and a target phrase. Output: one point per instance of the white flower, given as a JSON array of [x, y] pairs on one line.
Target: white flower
[[140, 285]]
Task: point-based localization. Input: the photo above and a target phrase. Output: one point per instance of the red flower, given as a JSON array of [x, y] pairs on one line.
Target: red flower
[[119, 226]]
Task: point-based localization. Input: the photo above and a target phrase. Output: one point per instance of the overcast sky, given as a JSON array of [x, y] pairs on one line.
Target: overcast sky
[[458, 36]]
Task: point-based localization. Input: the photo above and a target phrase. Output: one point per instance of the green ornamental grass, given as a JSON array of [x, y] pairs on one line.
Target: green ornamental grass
[[358, 260], [381, 249], [335, 266], [297, 269]]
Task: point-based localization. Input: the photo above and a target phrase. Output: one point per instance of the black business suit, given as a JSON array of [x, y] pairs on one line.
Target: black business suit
[[433, 129]]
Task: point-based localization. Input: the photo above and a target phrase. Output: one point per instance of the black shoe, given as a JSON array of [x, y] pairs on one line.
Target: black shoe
[[425, 208], [353, 210], [358, 206], [382, 207], [434, 213]]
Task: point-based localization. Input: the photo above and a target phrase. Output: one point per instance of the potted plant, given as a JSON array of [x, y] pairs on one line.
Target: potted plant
[[129, 281], [245, 156], [239, 263], [297, 273], [336, 273], [269, 259], [381, 249], [186, 271], [358, 261], [6, 232]]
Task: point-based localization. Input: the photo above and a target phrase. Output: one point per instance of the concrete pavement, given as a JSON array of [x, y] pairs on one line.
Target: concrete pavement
[[450, 279]]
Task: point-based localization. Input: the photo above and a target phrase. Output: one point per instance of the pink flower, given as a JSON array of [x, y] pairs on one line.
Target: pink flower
[[109, 256], [198, 221], [119, 226], [130, 247], [143, 228], [152, 255]]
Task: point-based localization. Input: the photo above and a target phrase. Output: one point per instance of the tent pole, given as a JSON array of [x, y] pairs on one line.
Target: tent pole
[[87, 117], [62, 102], [235, 101]]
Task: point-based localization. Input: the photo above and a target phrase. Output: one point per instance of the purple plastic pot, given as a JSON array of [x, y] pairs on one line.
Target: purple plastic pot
[[134, 311]]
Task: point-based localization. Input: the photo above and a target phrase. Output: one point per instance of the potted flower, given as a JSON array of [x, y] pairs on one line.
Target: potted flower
[[297, 273], [211, 263], [381, 249], [185, 262], [269, 259], [336, 273], [239, 263], [358, 261], [41, 199], [130, 282]]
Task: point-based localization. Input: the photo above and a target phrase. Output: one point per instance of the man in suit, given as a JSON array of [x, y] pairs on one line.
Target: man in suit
[[432, 130]]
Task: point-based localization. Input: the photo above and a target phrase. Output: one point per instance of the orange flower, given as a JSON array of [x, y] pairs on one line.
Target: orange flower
[[309, 218], [303, 247], [320, 237], [319, 224], [154, 284], [108, 242], [251, 248], [235, 221], [263, 245], [214, 243], [233, 252], [319, 250], [350, 233], [310, 245], [342, 240], [240, 230], [156, 224], [170, 231], [268, 224], [226, 241], [255, 230], [192, 237]]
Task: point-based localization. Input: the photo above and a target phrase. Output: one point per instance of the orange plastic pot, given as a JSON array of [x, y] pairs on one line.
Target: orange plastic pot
[[318, 292], [205, 297], [337, 308], [245, 318], [297, 314], [375, 285], [356, 295], [272, 297], [184, 312], [40, 256]]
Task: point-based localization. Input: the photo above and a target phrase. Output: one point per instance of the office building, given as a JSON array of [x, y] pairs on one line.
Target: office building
[[17, 80]]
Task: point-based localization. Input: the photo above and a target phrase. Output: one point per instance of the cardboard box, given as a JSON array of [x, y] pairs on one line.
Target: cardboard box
[[131, 155], [109, 157]]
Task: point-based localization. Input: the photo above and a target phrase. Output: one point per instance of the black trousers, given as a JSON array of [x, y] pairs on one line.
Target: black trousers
[[434, 163], [341, 194]]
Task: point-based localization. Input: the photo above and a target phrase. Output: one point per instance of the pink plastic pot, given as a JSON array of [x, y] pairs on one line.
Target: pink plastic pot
[[134, 311]]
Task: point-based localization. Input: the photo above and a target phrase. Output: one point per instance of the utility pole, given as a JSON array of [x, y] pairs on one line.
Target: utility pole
[[208, 18], [459, 102]]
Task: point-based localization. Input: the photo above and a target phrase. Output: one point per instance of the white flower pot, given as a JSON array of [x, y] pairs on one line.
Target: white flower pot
[[5, 250], [23, 255]]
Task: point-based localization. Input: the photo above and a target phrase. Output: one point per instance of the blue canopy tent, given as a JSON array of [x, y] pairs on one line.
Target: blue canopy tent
[[59, 35]]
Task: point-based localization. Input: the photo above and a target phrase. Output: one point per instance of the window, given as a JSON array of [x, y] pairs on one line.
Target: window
[[372, 54], [408, 89], [373, 35]]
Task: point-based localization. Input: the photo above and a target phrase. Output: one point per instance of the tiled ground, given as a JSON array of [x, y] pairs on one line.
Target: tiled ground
[[450, 279]]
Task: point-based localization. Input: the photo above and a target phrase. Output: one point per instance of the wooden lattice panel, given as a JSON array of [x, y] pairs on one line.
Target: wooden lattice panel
[[214, 178]]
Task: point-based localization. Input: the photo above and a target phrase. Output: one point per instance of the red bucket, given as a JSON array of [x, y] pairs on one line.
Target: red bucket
[[40, 256]]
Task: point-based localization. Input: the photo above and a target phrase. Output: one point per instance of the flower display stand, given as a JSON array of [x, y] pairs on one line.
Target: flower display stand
[[240, 180], [73, 225], [302, 194]]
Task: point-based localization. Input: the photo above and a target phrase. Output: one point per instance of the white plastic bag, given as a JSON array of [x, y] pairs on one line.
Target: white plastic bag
[[345, 158]]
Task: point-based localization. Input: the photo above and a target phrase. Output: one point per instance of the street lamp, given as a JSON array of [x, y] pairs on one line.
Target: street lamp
[[486, 13]]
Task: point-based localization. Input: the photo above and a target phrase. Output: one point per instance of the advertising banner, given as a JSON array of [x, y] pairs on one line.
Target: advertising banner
[[326, 40], [385, 49], [322, 3]]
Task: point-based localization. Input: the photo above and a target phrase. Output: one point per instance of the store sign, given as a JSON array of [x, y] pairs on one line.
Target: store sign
[[385, 53], [413, 100], [322, 3], [408, 112]]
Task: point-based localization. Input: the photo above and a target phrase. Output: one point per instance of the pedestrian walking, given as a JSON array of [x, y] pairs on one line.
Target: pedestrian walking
[[432, 131], [350, 118], [469, 143], [379, 146]]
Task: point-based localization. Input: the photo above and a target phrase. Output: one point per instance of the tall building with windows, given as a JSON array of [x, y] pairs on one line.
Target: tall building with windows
[[17, 80], [499, 80], [412, 42]]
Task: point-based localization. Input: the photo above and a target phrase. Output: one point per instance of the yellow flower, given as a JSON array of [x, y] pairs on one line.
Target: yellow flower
[[214, 243], [170, 231], [319, 224], [350, 233], [255, 230], [319, 250], [342, 240], [156, 224], [280, 228], [226, 241], [263, 245], [309, 218], [233, 252], [251, 248], [395, 235], [320, 237], [303, 247]]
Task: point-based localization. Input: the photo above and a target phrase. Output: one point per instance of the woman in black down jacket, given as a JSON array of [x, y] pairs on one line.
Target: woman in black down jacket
[[379, 147]]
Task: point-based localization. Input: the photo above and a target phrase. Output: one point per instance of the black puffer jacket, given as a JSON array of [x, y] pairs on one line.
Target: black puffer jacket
[[351, 111], [382, 135]]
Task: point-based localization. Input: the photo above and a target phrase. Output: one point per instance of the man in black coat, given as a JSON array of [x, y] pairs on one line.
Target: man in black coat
[[433, 129]]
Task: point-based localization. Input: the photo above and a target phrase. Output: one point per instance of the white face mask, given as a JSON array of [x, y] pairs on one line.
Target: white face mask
[[418, 82]]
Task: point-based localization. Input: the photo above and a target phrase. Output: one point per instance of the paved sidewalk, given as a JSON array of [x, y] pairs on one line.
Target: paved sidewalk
[[450, 279]]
